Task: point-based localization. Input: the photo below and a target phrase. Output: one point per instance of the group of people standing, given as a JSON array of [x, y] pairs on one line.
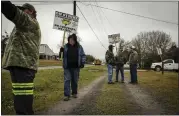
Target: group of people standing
[[21, 58], [119, 60]]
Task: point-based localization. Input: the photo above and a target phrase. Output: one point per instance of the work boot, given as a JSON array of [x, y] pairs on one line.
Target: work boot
[[74, 95], [110, 82], [135, 83], [66, 98], [131, 82], [122, 81]]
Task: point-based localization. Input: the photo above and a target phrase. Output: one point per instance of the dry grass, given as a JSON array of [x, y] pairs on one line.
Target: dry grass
[[163, 87], [115, 101], [43, 63], [48, 88]]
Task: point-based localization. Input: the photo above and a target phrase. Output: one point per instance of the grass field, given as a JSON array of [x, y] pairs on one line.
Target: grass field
[[164, 88], [48, 87], [43, 63]]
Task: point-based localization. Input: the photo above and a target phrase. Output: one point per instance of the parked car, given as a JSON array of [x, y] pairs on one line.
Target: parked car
[[127, 66], [169, 64]]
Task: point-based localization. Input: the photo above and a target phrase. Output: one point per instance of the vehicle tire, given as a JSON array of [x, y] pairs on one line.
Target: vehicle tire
[[158, 68]]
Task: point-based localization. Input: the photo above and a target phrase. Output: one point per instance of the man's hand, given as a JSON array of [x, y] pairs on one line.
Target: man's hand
[[61, 51]]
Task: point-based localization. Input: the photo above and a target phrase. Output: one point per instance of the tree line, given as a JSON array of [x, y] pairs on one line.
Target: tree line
[[146, 44]]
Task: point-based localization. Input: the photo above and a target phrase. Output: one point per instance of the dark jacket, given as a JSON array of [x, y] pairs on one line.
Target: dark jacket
[[120, 59], [72, 56], [81, 56], [109, 56]]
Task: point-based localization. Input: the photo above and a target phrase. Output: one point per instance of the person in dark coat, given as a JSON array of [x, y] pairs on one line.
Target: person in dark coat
[[74, 58]]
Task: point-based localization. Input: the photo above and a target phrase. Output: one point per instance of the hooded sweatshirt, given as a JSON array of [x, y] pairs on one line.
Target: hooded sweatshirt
[[72, 53]]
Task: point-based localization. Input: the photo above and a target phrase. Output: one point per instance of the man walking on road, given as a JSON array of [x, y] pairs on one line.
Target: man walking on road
[[110, 60], [74, 58], [133, 60], [22, 53], [120, 61]]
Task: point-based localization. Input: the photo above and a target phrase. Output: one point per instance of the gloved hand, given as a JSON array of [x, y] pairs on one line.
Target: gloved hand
[[61, 52], [61, 49], [82, 66]]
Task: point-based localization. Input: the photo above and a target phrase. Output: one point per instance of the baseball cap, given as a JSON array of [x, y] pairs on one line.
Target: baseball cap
[[111, 46], [27, 6], [132, 47]]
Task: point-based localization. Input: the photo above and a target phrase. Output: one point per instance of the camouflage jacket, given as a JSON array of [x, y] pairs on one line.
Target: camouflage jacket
[[133, 58], [22, 50], [109, 56], [120, 58]]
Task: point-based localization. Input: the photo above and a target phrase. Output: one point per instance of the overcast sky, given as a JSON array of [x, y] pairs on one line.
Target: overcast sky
[[128, 26]]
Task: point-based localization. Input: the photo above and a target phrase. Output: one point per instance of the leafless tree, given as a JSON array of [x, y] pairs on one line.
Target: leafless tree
[[146, 44]]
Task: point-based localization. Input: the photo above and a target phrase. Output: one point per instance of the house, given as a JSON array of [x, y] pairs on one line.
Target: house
[[46, 53]]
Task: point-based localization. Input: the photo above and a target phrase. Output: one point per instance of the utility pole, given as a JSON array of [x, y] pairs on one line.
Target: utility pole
[[74, 8]]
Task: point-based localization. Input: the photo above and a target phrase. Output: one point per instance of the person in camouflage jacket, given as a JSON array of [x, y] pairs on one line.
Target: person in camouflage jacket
[[110, 60], [22, 53], [120, 61], [133, 61]]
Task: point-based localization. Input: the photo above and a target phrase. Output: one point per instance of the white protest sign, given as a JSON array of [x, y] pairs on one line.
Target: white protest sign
[[159, 51], [67, 22], [115, 38]]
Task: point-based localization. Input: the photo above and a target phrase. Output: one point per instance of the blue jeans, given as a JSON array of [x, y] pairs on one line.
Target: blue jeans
[[121, 69], [110, 72], [133, 72], [71, 75]]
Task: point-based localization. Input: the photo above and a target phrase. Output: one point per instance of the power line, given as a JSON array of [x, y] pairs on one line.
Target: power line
[[131, 14], [100, 17], [96, 17], [91, 27], [107, 19], [97, 13]]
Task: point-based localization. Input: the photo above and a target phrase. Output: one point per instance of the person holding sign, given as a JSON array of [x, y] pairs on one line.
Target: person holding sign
[[110, 60], [74, 58]]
